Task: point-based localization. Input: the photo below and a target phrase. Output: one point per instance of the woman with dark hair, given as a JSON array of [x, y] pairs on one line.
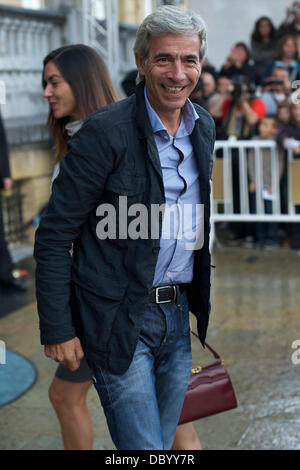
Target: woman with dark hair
[[286, 56], [237, 63], [76, 83], [263, 45]]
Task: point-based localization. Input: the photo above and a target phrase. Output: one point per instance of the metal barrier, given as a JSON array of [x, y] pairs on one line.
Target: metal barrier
[[14, 229], [230, 201]]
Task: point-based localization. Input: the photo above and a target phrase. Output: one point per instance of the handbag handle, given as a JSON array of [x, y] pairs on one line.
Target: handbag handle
[[215, 354]]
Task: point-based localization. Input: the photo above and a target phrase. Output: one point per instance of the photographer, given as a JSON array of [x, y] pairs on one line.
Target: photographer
[[291, 24], [238, 63], [276, 88], [237, 110]]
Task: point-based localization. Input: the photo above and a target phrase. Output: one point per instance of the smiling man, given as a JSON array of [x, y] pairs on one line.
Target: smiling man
[[171, 71], [125, 301]]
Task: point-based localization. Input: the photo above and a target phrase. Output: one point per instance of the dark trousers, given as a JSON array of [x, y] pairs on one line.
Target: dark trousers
[[267, 232], [6, 264], [239, 229]]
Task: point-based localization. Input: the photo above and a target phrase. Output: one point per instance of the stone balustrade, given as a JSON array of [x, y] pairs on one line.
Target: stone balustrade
[[26, 36]]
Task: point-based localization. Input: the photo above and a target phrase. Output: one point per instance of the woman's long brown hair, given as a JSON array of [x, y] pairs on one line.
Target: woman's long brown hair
[[86, 73], [279, 50]]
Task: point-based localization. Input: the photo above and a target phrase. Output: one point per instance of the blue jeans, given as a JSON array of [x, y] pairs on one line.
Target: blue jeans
[[143, 406]]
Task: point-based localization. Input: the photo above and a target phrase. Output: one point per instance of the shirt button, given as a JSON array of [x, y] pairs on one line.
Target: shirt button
[[168, 274]]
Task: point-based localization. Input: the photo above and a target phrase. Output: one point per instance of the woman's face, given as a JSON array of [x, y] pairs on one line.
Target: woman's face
[[264, 28], [289, 49], [59, 93], [239, 53], [284, 115]]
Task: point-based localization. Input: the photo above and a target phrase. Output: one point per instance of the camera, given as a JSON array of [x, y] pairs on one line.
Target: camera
[[272, 82], [239, 87]]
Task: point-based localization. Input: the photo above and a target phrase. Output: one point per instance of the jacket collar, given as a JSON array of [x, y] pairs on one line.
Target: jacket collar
[[142, 119]]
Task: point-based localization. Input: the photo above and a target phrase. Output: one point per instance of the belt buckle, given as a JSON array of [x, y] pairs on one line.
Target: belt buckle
[[164, 301]]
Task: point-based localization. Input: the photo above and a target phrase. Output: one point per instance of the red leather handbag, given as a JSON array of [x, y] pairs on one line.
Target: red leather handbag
[[210, 391]]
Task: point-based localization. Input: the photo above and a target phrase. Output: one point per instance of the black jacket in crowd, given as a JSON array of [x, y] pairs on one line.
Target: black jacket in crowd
[[100, 294]]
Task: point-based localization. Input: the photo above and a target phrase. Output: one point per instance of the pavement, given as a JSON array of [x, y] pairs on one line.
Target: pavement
[[255, 318]]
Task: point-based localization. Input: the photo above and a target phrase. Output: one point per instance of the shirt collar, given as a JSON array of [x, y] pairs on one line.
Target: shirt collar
[[189, 116]]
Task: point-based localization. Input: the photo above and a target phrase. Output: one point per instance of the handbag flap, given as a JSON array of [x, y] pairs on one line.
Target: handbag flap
[[208, 375]]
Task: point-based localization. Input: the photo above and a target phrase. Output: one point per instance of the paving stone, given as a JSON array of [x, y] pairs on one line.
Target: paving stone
[[254, 320]]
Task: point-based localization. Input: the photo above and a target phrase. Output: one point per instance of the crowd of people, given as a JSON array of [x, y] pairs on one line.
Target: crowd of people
[[257, 85], [256, 88]]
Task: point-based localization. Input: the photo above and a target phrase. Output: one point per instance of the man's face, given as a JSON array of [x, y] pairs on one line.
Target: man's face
[[280, 75], [267, 128], [171, 71]]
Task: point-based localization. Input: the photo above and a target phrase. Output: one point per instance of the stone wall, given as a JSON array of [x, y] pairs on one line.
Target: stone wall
[[32, 170], [26, 36]]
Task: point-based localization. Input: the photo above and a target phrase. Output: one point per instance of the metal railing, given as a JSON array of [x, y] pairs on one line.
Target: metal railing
[[14, 228], [230, 198]]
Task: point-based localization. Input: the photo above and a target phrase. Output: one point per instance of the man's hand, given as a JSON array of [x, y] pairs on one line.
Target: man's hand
[[296, 150], [69, 354]]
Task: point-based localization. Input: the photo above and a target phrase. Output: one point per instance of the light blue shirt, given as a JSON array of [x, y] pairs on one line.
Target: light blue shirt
[[182, 192]]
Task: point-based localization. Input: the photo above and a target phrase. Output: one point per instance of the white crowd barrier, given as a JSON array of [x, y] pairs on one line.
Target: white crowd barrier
[[224, 181]]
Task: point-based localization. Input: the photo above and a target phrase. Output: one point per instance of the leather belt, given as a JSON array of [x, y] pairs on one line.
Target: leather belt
[[164, 294]]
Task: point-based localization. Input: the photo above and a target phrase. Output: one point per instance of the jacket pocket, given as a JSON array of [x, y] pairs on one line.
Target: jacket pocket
[[94, 316]]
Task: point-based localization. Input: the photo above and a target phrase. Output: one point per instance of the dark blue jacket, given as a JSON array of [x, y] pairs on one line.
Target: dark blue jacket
[[101, 293]]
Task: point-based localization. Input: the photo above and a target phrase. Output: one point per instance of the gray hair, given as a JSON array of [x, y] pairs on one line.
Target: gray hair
[[170, 19]]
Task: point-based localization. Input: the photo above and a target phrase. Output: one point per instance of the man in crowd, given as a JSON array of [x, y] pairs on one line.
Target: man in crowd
[[124, 297], [277, 88]]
